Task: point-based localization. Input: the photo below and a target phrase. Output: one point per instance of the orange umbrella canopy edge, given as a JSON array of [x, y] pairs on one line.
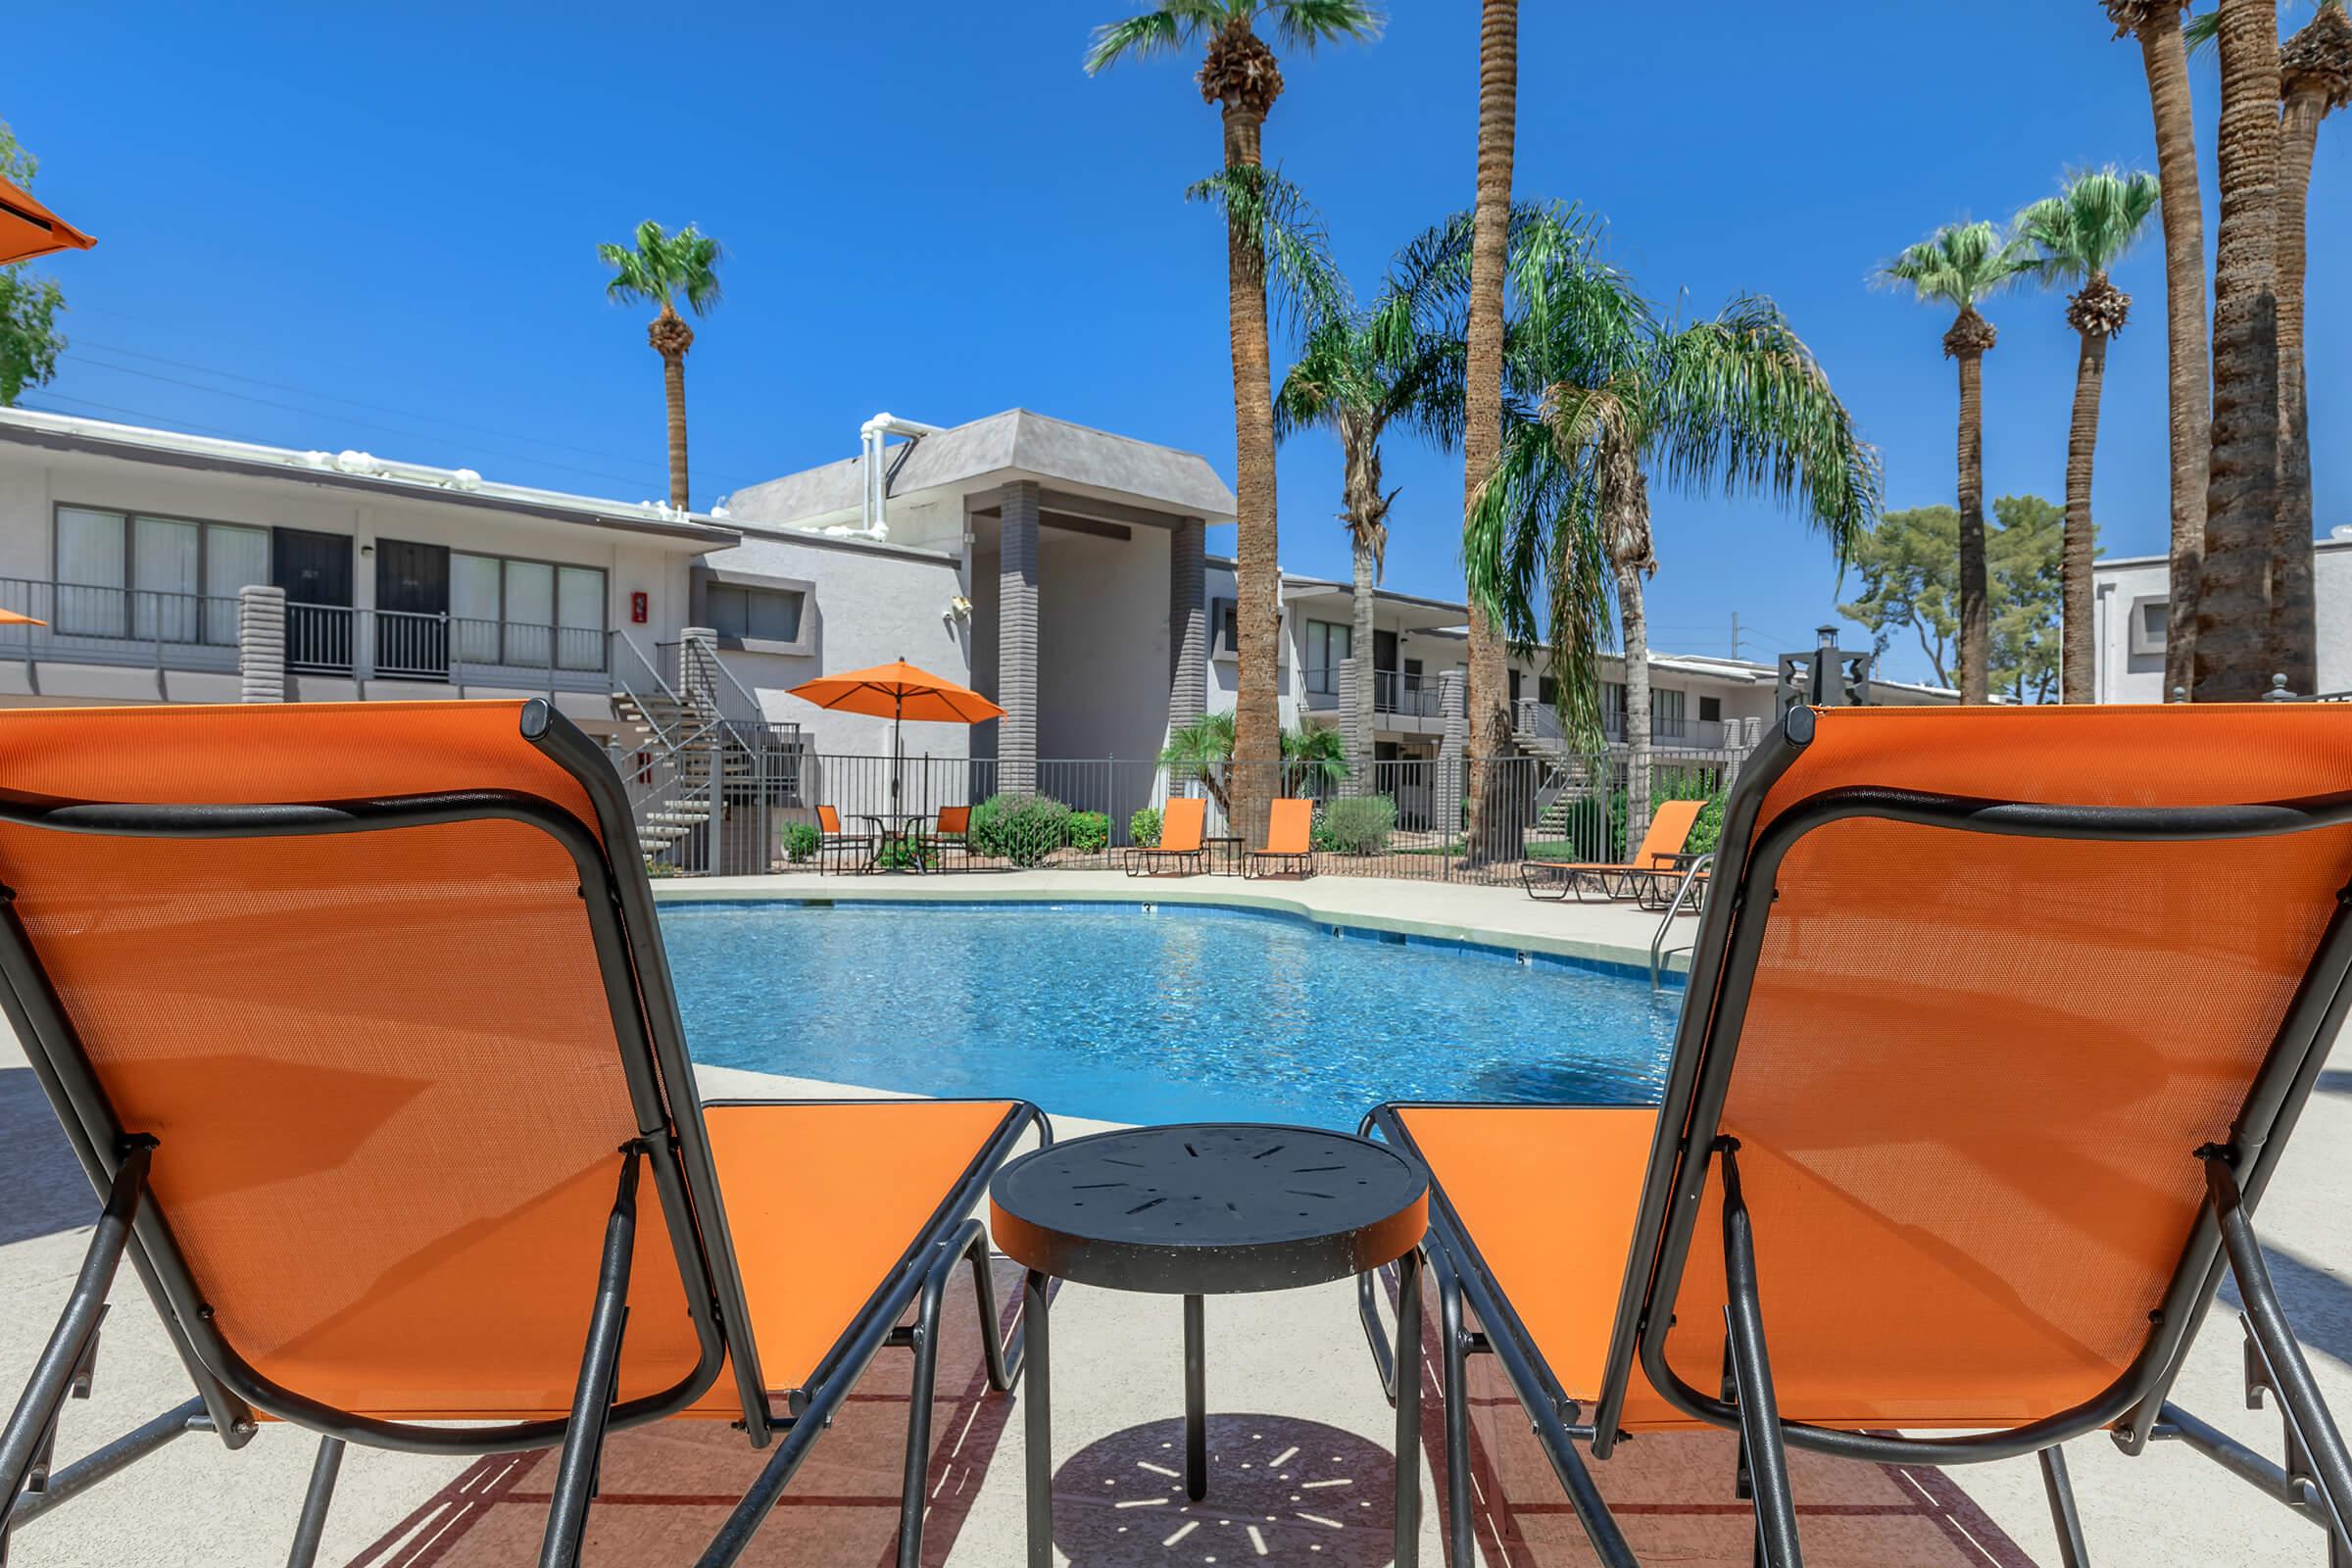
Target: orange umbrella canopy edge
[[899, 690], [29, 229]]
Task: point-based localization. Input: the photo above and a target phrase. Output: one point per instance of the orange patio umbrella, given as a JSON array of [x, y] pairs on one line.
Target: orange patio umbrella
[[29, 229], [11, 618], [900, 691]]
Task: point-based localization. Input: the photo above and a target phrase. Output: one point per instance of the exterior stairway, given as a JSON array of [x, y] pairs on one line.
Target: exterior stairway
[[686, 760]]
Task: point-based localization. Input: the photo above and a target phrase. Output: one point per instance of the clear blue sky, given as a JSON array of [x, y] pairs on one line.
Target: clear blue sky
[[932, 209]]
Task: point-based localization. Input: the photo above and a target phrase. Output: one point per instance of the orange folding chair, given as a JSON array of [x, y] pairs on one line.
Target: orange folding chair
[[1182, 821], [1996, 1028], [1290, 842], [357, 1018]]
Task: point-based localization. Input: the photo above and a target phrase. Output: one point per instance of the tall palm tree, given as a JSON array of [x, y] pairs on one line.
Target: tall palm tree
[[2080, 233], [1481, 402], [2234, 600], [1357, 375], [2156, 23], [1959, 265], [1240, 73], [663, 269], [1733, 402]]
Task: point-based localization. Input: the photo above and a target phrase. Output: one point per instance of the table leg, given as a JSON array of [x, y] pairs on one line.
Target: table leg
[[1038, 1435], [1196, 1401], [1408, 1409]]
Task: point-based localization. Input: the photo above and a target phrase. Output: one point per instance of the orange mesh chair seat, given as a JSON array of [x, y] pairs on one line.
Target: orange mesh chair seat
[[1669, 831], [1997, 1025], [359, 1020], [1290, 842], [1181, 823]]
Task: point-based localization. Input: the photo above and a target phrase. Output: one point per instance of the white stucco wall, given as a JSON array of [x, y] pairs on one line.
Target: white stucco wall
[[2126, 676]]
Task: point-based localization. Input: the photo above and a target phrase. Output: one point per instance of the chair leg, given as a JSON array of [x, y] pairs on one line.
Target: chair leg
[[1195, 1398], [312, 1525], [1038, 1422], [599, 1372], [2314, 1438], [1759, 1408], [1408, 1409], [24, 1440], [923, 1339], [1461, 1529], [2073, 1552]]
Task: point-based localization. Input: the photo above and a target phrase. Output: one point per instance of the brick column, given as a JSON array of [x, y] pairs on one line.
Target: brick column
[[1016, 639], [1188, 625], [1452, 702], [261, 645]]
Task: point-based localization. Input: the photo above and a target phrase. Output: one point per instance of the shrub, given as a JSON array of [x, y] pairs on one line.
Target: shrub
[[1090, 832], [801, 840], [1354, 824], [899, 854], [1021, 829], [1144, 827]]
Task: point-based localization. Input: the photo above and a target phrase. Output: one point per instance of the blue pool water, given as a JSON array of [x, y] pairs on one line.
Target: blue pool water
[[1135, 1015]]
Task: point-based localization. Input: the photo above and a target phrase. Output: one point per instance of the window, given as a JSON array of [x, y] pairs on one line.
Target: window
[[153, 578], [1547, 691], [761, 614], [1612, 708], [1223, 639], [1327, 644], [526, 613], [2151, 619], [1710, 710], [1666, 713]]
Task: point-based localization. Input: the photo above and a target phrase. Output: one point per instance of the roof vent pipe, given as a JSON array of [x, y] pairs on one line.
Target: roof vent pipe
[[870, 437]]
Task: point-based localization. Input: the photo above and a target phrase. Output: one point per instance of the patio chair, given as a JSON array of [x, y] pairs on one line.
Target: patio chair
[[356, 1017], [1182, 821], [952, 831], [1992, 1043], [1290, 841], [1670, 825], [831, 840]]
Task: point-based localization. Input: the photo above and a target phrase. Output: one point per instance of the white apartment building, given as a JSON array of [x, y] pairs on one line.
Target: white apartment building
[[2131, 604]]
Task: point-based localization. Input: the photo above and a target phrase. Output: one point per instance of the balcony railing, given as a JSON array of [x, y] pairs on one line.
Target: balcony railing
[[176, 631], [1415, 696], [1532, 715]]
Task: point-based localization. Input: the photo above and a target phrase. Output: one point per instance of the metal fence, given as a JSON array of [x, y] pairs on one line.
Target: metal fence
[[1407, 819]]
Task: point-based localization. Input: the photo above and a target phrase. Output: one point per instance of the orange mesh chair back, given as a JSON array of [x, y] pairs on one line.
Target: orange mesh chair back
[[1670, 826], [1181, 824], [954, 821], [388, 1072], [1290, 827], [1970, 1050], [828, 820]]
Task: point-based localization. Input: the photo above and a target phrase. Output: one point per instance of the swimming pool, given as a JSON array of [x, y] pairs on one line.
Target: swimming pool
[[1130, 1014]]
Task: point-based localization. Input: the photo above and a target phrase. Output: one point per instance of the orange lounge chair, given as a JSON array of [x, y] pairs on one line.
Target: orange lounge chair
[[1289, 840], [357, 1018], [1180, 823], [1670, 828], [1992, 1044]]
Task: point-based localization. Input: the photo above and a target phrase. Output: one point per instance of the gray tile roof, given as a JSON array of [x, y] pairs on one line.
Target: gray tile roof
[[1053, 450]]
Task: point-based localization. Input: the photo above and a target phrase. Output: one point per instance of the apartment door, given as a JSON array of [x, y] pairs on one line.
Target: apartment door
[[1384, 672], [314, 571], [411, 605]]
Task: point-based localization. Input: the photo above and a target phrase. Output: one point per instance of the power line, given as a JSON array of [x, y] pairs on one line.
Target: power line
[[136, 413]]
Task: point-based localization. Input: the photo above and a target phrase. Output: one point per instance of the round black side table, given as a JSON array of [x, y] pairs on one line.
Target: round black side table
[[1211, 1209]]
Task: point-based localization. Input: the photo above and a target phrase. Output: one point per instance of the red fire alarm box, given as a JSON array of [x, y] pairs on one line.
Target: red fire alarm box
[[637, 610]]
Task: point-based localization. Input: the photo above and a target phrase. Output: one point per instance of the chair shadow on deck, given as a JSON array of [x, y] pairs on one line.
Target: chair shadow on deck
[[47, 1191]]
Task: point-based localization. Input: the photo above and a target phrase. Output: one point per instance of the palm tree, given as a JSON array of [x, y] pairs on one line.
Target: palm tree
[[1239, 72], [1733, 402], [2080, 233], [1357, 374], [1204, 751], [663, 270], [2234, 600], [1482, 401], [1959, 265], [2157, 25]]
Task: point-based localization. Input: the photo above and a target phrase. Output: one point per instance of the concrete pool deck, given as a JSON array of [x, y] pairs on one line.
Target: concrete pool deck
[[1287, 1372]]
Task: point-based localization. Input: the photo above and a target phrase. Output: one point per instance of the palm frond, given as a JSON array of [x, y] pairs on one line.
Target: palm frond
[[2096, 217], [663, 268], [1959, 265], [1536, 559], [1303, 283], [1143, 36], [1304, 24]]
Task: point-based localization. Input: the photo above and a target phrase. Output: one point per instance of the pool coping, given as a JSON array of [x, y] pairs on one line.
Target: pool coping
[[1243, 897]]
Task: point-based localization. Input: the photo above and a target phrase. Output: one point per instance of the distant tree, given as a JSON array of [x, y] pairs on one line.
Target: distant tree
[[1910, 570], [1202, 751], [29, 341], [666, 270]]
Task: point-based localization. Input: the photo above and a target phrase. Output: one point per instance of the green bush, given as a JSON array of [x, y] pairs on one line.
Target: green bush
[[801, 840], [1144, 827], [1589, 833], [1021, 829], [902, 855], [1354, 824], [1090, 832]]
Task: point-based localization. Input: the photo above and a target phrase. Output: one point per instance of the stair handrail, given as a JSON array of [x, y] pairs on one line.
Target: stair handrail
[[1659, 952]]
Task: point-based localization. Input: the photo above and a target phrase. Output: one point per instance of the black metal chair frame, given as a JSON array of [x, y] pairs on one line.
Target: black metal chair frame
[[2317, 1478], [840, 845], [1300, 863], [673, 1147], [1143, 859]]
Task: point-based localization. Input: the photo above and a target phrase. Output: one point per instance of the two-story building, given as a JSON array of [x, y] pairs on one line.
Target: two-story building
[[2132, 612]]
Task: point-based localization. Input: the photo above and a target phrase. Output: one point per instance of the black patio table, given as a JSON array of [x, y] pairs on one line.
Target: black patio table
[[1210, 1209], [892, 828]]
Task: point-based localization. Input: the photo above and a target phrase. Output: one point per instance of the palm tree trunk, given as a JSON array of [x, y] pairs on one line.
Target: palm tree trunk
[[2233, 602], [673, 389], [1482, 403], [1630, 557], [1257, 566], [2189, 368], [2078, 666], [1360, 720], [1976, 615], [2295, 611]]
